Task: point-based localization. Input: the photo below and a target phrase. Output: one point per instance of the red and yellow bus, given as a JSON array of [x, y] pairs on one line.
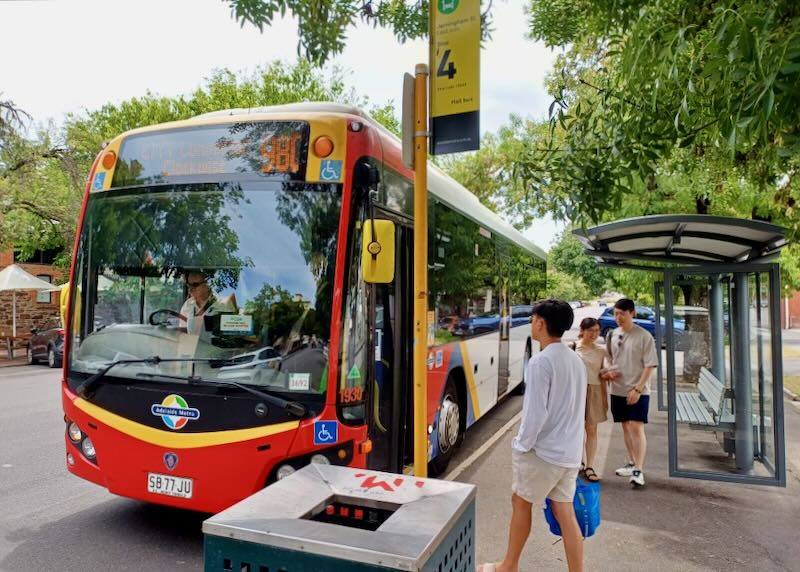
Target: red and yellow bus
[[225, 322]]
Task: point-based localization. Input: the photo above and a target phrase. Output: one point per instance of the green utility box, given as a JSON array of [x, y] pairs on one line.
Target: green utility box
[[325, 517]]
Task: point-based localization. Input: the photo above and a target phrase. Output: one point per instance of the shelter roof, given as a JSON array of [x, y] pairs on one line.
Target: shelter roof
[[683, 239]]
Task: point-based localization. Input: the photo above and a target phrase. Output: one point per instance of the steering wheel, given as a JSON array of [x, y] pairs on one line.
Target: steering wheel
[[162, 322]]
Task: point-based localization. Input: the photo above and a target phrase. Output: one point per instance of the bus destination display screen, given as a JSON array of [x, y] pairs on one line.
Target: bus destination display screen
[[266, 148]]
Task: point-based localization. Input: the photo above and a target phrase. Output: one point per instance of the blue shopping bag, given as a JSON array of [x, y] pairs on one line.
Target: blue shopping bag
[[587, 509]]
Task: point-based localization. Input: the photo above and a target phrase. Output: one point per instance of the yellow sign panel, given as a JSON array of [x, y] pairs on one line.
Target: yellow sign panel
[[455, 56]]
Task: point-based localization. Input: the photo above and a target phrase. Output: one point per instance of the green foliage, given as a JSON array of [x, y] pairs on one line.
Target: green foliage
[[649, 88], [42, 180], [37, 209], [566, 287], [567, 257], [323, 24], [276, 312], [491, 173], [275, 84], [386, 115]]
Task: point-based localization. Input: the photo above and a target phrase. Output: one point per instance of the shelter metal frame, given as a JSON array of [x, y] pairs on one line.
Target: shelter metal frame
[[779, 468], [686, 247]]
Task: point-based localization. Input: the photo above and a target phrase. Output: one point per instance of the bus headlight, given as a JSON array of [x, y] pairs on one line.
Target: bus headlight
[[74, 432], [320, 459], [284, 471], [88, 448]]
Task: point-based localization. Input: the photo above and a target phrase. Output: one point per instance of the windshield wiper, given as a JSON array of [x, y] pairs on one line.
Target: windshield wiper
[[294, 407], [85, 388]]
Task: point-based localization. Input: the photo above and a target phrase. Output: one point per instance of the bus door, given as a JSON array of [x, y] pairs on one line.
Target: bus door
[[505, 330], [390, 427]]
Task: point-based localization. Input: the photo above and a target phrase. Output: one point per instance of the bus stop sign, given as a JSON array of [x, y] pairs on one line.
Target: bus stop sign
[[455, 76]]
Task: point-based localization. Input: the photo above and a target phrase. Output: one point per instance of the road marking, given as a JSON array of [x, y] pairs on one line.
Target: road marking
[[464, 465]]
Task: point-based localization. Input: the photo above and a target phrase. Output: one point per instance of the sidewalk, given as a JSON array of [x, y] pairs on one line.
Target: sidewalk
[[19, 359], [670, 525]]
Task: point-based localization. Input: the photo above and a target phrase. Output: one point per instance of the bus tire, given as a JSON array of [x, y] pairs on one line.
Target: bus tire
[[448, 428]]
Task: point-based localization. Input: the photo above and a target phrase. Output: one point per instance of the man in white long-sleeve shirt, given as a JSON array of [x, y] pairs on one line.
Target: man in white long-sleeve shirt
[[546, 453]]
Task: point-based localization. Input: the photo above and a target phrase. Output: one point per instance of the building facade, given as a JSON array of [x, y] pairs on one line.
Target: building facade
[[33, 308]]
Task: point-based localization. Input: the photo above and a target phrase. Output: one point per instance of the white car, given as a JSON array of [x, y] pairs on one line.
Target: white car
[[263, 357]]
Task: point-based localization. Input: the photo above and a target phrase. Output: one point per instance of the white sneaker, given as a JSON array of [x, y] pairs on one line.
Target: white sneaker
[[637, 478], [626, 471]]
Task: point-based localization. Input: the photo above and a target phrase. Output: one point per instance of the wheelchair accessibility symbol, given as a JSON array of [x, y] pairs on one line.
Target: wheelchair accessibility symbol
[[330, 170], [99, 181], [325, 432]]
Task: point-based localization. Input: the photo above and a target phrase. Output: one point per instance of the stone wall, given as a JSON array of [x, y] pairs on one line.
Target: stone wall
[[30, 313]]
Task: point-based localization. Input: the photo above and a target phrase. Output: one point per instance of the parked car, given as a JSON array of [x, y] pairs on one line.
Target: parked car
[[521, 314], [646, 318], [47, 342], [264, 357], [475, 325]]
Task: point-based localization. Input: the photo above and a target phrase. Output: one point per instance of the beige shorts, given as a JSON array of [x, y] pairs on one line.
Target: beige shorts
[[535, 480]]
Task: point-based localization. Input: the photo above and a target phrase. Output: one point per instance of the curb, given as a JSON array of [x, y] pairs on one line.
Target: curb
[[791, 395]]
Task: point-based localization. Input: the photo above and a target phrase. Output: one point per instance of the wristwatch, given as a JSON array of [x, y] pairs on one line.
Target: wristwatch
[[637, 390]]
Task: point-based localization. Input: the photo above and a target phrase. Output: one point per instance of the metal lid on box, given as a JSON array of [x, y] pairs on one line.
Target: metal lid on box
[[420, 513]]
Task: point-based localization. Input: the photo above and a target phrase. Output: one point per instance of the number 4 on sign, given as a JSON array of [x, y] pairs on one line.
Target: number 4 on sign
[[450, 71]]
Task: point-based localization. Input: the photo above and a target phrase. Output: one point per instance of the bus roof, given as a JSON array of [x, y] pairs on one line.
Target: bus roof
[[441, 185]]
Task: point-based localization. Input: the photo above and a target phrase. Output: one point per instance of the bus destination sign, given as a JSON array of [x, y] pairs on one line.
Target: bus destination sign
[[259, 148]]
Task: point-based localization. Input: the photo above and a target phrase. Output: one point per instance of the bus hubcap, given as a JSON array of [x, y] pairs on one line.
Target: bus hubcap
[[449, 420]]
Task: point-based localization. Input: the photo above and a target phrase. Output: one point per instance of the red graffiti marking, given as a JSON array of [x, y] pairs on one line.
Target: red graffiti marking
[[371, 482]]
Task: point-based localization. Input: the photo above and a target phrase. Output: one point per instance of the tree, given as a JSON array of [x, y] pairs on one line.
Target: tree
[[322, 25], [566, 287], [567, 256], [42, 179], [35, 175], [649, 88]]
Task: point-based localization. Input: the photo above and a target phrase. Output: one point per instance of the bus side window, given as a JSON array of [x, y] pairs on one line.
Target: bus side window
[[351, 390]]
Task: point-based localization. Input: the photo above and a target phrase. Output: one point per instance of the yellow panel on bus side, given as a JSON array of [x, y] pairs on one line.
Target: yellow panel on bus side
[[328, 169], [101, 179]]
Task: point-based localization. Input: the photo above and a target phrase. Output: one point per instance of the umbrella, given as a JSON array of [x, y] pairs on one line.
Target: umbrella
[[15, 278]]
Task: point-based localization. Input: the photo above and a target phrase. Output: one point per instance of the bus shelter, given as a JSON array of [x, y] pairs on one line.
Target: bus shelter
[[717, 306]]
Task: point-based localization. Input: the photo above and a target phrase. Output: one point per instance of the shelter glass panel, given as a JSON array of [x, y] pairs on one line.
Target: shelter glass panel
[[721, 343]]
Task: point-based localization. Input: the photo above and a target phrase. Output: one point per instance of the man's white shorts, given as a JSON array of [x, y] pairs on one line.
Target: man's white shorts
[[535, 480]]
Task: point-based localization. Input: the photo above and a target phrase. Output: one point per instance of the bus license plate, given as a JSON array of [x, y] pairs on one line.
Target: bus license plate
[[170, 486]]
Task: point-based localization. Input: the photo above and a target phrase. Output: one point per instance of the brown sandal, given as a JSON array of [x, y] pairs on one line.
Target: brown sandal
[[590, 475]]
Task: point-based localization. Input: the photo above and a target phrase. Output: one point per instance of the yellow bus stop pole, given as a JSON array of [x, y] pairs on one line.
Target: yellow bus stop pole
[[420, 354]]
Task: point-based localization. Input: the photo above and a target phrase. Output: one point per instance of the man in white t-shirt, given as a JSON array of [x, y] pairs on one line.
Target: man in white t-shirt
[[633, 352], [546, 453]]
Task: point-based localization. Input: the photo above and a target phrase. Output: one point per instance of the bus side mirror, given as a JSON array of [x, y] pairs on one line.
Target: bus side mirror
[[377, 251]]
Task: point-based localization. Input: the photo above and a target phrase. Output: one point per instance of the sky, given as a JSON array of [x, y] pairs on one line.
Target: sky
[[68, 56]]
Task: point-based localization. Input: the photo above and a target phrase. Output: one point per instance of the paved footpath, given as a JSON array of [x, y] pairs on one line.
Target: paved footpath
[[671, 525]]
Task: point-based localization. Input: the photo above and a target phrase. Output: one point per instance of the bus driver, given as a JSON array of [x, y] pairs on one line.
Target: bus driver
[[200, 303]]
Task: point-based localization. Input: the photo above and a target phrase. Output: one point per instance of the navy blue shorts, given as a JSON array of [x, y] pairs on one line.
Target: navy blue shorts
[[624, 412]]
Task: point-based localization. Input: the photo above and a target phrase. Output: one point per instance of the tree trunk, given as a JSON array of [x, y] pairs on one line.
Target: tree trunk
[[695, 341]]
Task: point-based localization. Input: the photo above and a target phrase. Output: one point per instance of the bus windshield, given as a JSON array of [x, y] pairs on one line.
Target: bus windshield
[[238, 273]]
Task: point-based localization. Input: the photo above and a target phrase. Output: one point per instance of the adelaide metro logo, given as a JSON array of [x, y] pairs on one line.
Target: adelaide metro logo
[[174, 411]]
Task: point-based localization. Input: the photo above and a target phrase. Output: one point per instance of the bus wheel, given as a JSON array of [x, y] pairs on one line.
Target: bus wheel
[[448, 429]]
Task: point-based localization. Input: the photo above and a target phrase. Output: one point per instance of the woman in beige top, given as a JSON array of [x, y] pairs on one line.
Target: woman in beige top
[[594, 357]]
